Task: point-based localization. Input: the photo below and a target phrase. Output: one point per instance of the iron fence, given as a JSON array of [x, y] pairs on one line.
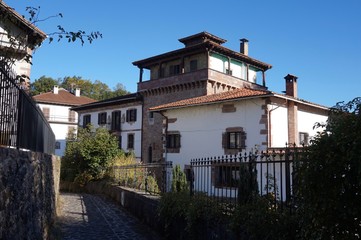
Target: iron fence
[[22, 123], [152, 178], [228, 178]]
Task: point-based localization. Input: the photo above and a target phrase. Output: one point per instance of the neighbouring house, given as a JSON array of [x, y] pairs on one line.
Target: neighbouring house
[[122, 116], [242, 119], [18, 39], [202, 67], [56, 106]]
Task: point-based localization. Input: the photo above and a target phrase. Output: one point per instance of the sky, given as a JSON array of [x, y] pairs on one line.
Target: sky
[[318, 41]]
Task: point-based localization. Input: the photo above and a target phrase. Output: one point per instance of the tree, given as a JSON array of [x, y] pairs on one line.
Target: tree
[[179, 180], [90, 154], [42, 85], [329, 185]]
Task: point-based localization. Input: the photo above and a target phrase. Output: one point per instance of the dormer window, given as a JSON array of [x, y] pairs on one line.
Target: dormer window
[[174, 69]]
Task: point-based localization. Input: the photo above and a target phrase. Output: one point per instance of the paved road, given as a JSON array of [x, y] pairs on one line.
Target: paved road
[[86, 216]]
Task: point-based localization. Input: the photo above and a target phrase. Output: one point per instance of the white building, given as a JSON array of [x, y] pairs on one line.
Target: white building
[[18, 38], [56, 106], [122, 116], [242, 119]]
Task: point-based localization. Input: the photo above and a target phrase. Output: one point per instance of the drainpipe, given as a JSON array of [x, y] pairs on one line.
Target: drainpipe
[[165, 135]]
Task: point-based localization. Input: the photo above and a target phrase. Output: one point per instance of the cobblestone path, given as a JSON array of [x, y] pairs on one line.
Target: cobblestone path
[[86, 216]]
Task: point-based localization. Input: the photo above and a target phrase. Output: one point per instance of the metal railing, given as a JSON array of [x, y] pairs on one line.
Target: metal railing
[[225, 178], [22, 123], [152, 178]]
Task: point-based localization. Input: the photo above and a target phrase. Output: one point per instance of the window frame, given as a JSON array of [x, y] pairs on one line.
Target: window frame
[[226, 175], [130, 141], [173, 141], [131, 115], [102, 118], [86, 120], [116, 120]]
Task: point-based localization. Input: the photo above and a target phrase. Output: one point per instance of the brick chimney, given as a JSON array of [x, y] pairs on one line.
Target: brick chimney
[[291, 85], [292, 109], [244, 46], [56, 89]]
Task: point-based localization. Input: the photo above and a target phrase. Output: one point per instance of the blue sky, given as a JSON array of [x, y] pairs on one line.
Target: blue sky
[[318, 41]]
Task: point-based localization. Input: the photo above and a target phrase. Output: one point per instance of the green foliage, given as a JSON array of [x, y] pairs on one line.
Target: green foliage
[[42, 85], [186, 217], [261, 218], [329, 186], [248, 186], [179, 180], [90, 155], [96, 90]]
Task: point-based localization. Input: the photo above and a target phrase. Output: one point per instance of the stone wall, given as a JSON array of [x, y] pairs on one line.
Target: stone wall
[[29, 191]]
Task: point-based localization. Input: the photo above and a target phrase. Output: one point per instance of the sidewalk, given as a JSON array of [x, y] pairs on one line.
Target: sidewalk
[[86, 216]]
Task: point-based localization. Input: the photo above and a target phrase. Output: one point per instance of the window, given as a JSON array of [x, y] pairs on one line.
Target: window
[[46, 112], [303, 138], [57, 145], [193, 65], [229, 72], [86, 120], [116, 120], [173, 141], [226, 176], [174, 69], [71, 116], [131, 115], [235, 140], [102, 118], [130, 141]]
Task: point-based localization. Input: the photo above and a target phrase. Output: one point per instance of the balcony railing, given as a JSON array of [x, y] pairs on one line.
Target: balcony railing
[[22, 124]]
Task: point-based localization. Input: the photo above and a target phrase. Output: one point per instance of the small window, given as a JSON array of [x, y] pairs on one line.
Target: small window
[[130, 141], [174, 69], [303, 138], [226, 176], [131, 115], [173, 141], [86, 120], [71, 116], [116, 121], [57, 145], [193, 65], [235, 140], [102, 118], [46, 112]]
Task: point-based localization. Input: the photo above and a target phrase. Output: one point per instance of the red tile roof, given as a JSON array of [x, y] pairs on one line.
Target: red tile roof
[[62, 98], [220, 97]]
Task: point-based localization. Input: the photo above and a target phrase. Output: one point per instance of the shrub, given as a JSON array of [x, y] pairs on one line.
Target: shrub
[[179, 180]]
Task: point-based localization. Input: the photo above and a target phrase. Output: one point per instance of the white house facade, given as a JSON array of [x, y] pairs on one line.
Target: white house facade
[[122, 116], [56, 107], [235, 121]]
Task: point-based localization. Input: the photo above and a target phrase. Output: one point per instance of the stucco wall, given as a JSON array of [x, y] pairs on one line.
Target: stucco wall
[[201, 128], [29, 190]]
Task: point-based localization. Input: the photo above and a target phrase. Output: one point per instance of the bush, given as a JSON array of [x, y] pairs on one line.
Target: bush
[[89, 156], [179, 180], [329, 186]]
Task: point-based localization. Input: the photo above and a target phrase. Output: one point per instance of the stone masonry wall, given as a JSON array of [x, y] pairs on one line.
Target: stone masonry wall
[[29, 190]]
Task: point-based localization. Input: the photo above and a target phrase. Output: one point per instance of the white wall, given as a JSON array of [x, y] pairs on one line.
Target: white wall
[[59, 123], [201, 129], [126, 127], [306, 122]]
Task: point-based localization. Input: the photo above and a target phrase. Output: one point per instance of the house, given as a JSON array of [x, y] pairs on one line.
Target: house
[[18, 39], [122, 116], [56, 106], [202, 67], [242, 119]]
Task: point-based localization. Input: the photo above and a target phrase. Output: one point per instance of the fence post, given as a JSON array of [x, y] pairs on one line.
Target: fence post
[[288, 175]]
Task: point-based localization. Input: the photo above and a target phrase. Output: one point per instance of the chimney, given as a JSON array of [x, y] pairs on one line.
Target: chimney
[[56, 89], [244, 46], [77, 92], [291, 85]]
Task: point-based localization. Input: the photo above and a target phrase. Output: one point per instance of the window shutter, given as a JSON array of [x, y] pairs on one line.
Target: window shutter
[[225, 140], [243, 139]]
